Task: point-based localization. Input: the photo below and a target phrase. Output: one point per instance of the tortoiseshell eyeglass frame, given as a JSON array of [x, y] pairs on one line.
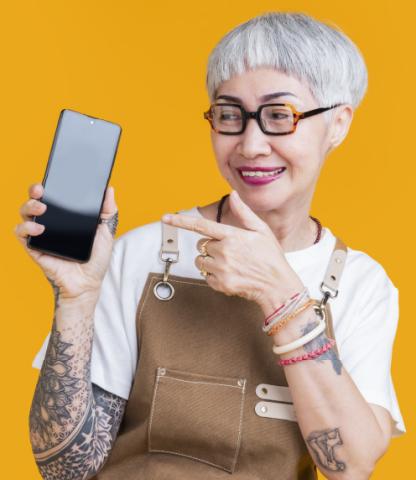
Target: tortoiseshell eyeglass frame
[[256, 115]]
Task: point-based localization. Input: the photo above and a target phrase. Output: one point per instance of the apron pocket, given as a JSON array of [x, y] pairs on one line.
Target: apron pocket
[[197, 416]]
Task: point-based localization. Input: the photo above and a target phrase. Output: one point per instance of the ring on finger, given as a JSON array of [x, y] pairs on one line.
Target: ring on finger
[[203, 248], [203, 272]]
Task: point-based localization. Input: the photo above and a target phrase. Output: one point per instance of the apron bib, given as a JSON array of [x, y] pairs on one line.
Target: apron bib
[[208, 398]]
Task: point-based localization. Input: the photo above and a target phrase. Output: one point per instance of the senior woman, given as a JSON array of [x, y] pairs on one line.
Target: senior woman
[[276, 361]]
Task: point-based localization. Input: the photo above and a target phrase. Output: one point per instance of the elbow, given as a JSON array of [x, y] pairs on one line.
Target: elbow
[[360, 470], [350, 473]]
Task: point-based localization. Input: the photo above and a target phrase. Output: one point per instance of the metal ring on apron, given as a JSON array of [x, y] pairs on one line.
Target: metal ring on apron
[[161, 287], [164, 290]]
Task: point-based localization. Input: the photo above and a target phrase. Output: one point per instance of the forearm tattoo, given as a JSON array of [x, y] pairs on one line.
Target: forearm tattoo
[[322, 444], [73, 424], [111, 222], [319, 342]]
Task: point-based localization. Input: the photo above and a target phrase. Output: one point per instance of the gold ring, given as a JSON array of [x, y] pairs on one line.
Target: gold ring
[[203, 272], [204, 247]]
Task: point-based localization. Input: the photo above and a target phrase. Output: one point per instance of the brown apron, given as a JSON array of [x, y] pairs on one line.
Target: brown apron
[[208, 398]]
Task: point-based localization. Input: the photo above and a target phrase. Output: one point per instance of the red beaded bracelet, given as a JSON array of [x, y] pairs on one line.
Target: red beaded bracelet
[[308, 356]]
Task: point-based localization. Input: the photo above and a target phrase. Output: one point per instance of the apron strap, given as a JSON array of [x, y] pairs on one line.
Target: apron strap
[[169, 253], [329, 286], [169, 250]]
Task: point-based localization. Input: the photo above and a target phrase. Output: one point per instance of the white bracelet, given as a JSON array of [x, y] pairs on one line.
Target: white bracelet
[[302, 340]]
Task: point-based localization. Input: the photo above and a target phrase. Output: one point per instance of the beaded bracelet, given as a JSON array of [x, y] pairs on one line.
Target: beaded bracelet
[[299, 342], [284, 309], [278, 326], [308, 356]]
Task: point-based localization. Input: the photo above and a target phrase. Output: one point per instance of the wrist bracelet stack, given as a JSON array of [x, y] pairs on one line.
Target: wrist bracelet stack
[[286, 308], [295, 305], [280, 324]]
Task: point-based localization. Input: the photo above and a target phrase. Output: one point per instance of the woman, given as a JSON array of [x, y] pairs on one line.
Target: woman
[[266, 365]]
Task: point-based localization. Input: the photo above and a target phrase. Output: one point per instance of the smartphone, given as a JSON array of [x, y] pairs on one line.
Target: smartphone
[[82, 157]]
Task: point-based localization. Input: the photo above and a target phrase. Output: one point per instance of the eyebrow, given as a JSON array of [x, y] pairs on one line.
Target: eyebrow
[[264, 98]]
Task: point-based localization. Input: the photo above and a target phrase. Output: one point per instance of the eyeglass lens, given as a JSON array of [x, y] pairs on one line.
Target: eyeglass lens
[[274, 118]]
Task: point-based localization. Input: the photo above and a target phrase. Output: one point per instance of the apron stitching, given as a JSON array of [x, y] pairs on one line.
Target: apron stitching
[[152, 409], [243, 396], [182, 281], [201, 383], [139, 313], [238, 442]]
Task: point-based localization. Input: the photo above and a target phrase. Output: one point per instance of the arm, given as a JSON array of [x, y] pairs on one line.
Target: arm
[[345, 435], [73, 423]]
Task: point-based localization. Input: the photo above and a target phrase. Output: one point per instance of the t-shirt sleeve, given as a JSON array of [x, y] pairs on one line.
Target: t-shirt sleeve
[[113, 357], [366, 353]]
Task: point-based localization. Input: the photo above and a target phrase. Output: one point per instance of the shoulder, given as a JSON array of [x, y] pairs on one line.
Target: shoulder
[[368, 292], [363, 270]]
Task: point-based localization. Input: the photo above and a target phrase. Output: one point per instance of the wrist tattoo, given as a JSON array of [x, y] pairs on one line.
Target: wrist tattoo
[[322, 444], [56, 292], [319, 342]]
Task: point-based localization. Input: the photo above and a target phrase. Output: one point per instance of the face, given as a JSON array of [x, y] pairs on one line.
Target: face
[[300, 154]]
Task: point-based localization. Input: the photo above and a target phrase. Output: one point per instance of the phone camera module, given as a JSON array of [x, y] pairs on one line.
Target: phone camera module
[[92, 122]]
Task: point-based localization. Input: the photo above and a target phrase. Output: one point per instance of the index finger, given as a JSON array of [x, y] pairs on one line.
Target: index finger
[[201, 225]]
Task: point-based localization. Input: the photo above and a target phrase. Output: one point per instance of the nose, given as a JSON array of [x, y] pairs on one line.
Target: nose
[[253, 142]]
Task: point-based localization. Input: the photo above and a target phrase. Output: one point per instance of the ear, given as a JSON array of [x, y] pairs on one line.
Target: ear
[[339, 125]]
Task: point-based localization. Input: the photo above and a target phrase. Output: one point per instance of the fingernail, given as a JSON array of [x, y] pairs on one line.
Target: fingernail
[[167, 217], [40, 227]]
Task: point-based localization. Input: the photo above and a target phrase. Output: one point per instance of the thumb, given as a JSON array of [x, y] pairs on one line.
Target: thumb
[[244, 213], [109, 204]]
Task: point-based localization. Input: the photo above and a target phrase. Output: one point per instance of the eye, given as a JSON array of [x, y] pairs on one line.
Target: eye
[[278, 115], [229, 116]]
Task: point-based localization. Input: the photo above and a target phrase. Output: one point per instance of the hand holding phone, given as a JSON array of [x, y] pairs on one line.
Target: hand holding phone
[[77, 175], [75, 281]]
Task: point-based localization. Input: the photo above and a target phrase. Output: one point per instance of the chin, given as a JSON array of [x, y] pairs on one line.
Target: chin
[[263, 202]]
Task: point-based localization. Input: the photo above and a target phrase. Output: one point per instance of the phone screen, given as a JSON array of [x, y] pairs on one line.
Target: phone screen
[[75, 181]]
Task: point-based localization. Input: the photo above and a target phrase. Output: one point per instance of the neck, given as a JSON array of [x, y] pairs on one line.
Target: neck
[[293, 228]]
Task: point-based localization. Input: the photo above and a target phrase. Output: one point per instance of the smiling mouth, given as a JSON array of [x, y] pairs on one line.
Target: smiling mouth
[[261, 172], [259, 176]]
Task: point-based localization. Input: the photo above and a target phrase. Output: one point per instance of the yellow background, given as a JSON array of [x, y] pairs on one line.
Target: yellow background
[[127, 61]]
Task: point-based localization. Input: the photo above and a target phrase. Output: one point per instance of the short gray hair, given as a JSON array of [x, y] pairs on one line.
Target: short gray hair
[[297, 45]]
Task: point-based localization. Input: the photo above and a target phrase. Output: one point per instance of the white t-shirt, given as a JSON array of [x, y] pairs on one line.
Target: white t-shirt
[[365, 312]]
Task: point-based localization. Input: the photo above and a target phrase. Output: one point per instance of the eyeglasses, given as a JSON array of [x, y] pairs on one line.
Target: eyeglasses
[[272, 118]]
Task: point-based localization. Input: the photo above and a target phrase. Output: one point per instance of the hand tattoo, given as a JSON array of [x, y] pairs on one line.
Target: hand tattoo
[[323, 443], [112, 223]]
